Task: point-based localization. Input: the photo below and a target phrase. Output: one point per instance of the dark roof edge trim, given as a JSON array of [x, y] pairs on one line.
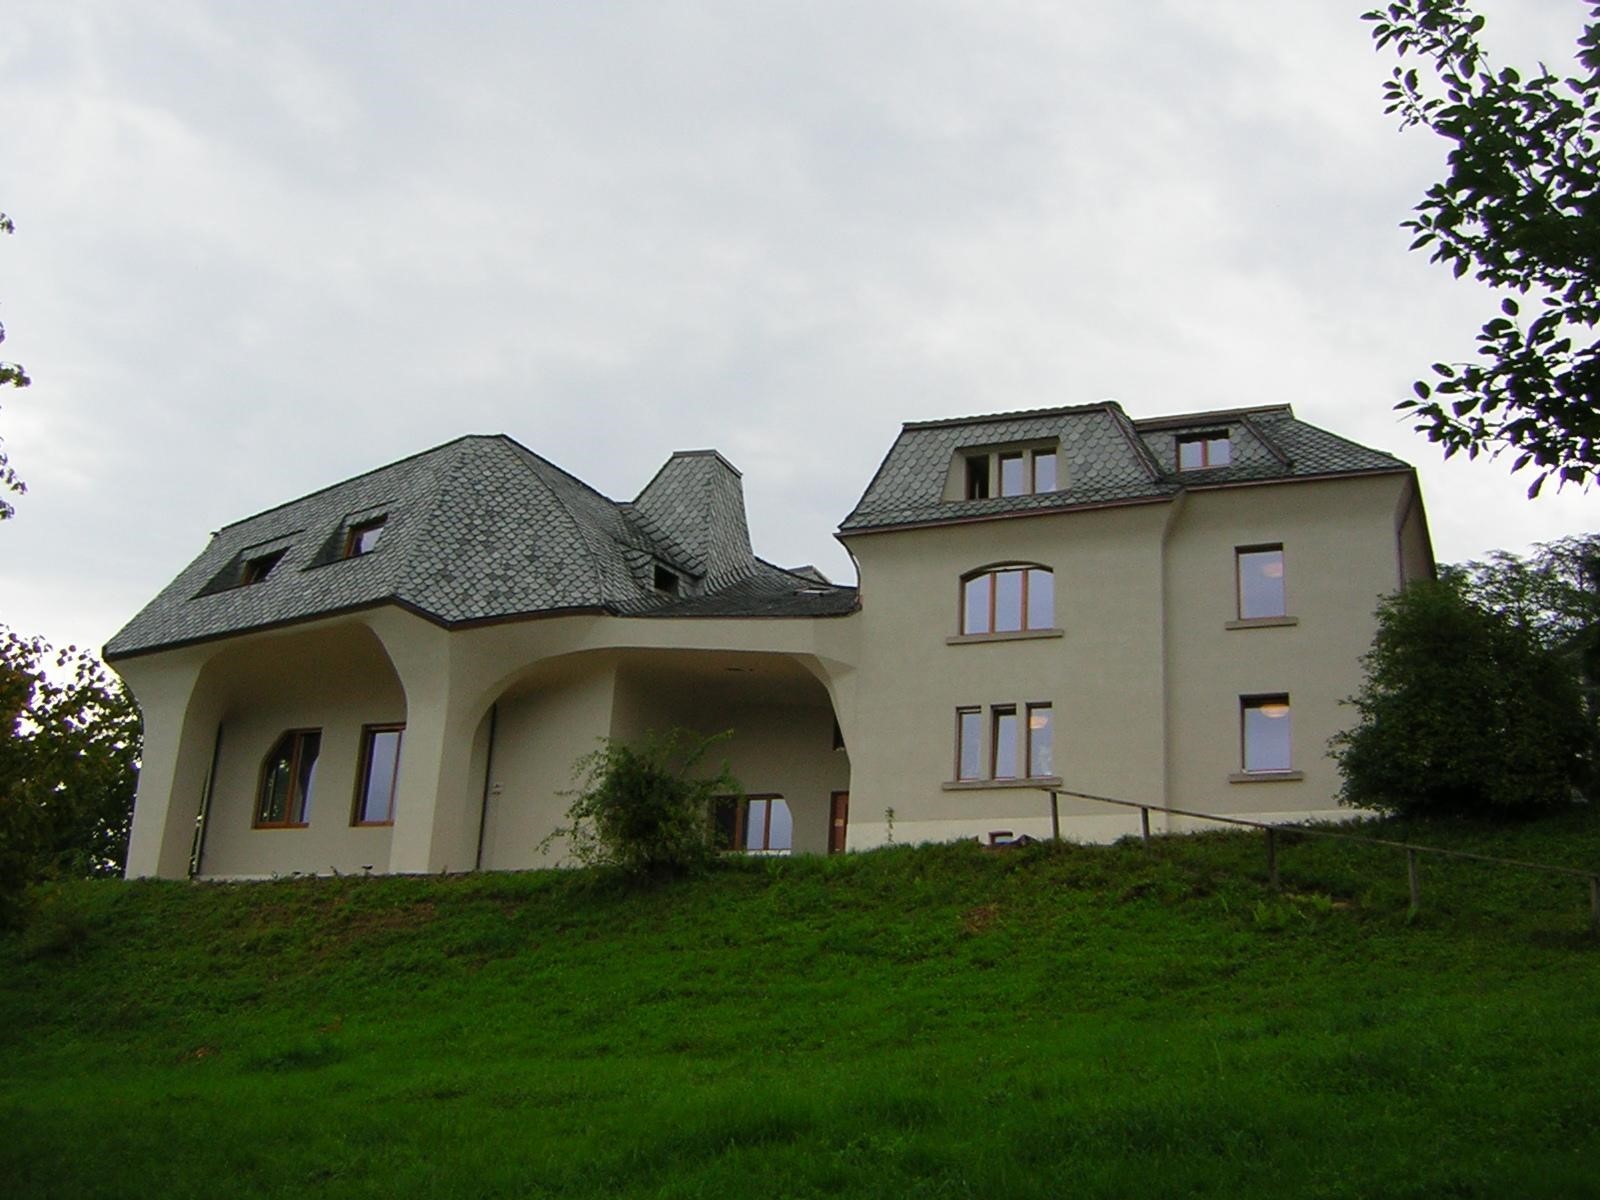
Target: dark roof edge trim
[[1211, 416], [1005, 516], [1017, 414]]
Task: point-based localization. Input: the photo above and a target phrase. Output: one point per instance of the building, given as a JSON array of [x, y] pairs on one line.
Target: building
[[398, 672]]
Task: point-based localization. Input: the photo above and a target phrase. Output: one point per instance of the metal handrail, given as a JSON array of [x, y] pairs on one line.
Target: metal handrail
[[1412, 849]]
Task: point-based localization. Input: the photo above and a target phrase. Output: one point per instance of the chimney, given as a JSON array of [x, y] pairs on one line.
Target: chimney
[[698, 498]]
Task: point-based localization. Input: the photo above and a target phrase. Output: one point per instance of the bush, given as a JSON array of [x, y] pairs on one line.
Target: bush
[[645, 808], [1462, 713]]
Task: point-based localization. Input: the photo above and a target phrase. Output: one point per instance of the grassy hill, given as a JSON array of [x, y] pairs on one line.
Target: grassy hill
[[1085, 1021]]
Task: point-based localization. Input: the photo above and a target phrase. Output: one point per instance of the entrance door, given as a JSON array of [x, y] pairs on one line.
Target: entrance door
[[838, 820]]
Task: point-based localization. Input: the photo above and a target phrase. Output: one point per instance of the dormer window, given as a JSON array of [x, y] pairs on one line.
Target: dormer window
[[257, 569], [1021, 472], [363, 538], [1200, 451], [666, 581]]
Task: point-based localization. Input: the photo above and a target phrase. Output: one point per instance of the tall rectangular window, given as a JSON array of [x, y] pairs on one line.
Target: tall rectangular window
[[1041, 750], [978, 477], [969, 737], [380, 770], [1044, 471], [1008, 611], [1004, 746], [287, 777], [1013, 475], [1260, 575], [1265, 733]]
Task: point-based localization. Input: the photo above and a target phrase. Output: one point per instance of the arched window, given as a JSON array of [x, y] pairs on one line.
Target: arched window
[[1008, 599], [284, 801]]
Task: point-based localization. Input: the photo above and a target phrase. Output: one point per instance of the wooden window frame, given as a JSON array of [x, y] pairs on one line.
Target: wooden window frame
[[1238, 580], [1024, 475], [741, 824], [989, 574], [969, 710], [996, 713], [295, 755], [1203, 440], [353, 536], [1027, 733], [364, 772]]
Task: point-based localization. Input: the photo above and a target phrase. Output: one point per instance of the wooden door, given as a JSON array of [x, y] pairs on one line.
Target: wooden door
[[838, 822]]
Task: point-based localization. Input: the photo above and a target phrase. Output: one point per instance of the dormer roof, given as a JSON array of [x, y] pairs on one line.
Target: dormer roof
[[478, 529], [1103, 457]]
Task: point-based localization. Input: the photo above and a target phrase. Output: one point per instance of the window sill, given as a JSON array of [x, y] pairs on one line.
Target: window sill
[[1260, 622], [1015, 635], [987, 785], [1266, 776], [289, 825]]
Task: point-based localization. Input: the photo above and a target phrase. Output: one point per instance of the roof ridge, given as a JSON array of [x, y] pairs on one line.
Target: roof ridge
[[578, 526], [986, 418], [465, 437]]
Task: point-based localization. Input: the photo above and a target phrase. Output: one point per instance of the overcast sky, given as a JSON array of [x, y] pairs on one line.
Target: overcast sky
[[263, 247]]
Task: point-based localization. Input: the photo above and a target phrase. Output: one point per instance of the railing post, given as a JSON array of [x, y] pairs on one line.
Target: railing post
[[1144, 823], [1055, 817], [1414, 880], [1272, 859]]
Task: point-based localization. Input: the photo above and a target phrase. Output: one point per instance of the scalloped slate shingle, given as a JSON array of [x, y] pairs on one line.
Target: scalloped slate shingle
[[1104, 458], [475, 529]]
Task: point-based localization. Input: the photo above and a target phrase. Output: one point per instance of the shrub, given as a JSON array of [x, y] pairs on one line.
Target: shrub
[[646, 808], [1462, 712]]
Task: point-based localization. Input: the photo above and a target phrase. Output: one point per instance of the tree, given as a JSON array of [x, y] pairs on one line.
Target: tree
[[13, 374], [69, 766], [647, 808], [1462, 712], [1520, 208]]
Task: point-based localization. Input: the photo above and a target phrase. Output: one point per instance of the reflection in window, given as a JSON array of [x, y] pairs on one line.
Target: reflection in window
[[1266, 733], [286, 780], [753, 824], [1197, 451], [363, 538], [1260, 570], [380, 770], [1008, 601], [1041, 753], [1044, 471], [1013, 475]]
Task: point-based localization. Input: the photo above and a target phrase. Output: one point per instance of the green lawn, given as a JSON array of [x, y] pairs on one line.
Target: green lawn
[[1063, 1021]]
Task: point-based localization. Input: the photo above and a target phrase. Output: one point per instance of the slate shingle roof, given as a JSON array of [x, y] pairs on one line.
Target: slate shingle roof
[[476, 529], [1104, 458]]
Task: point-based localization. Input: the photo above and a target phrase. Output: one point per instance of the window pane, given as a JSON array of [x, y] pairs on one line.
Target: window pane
[[755, 826], [1041, 599], [968, 731], [1044, 471], [1013, 477], [978, 477], [975, 605], [1261, 583], [1007, 601], [383, 765], [725, 821], [1266, 734], [275, 787], [1005, 743], [782, 835], [1219, 452], [310, 745], [1041, 754], [1191, 455]]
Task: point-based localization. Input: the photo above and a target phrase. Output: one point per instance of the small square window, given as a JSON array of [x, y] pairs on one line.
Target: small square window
[[363, 538], [1200, 451], [1264, 731], [665, 581], [257, 569]]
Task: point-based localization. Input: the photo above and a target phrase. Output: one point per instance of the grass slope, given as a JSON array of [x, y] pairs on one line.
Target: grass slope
[[1086, 1021]]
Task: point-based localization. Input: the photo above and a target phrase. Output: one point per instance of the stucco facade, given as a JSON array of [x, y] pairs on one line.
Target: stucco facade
[[499, 658]]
